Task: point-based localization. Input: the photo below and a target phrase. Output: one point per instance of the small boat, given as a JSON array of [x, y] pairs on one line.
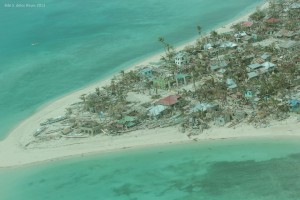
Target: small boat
[[39, 131], [36, 43], [53, 120]]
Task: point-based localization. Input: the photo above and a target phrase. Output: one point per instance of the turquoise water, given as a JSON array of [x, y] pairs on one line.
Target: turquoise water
[[83, 41], [210, 170]]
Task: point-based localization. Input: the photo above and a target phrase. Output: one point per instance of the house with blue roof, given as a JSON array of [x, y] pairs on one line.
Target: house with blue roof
[[294, 105], [146, 72], [218, 65], [231, 83], [253, 67], [203, 107], [181, 77]]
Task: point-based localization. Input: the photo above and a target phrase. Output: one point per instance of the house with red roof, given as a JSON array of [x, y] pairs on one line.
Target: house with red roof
[[169, 100], [272, 20], [247, 24]]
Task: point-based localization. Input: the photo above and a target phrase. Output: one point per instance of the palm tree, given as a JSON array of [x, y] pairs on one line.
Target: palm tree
[[214, 35], [199, 29], [83, 97], [169, 50], [122, 72], [193, 78], [148, 86], [113, 86], [97, 91], [162, 40], [91, 102]]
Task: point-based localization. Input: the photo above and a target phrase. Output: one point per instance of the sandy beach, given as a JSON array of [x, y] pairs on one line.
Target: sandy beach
[[14, 154], [13, 150]]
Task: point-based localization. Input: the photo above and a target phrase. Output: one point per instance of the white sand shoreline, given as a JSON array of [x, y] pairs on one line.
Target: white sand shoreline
[[13, 153], [99, 145]]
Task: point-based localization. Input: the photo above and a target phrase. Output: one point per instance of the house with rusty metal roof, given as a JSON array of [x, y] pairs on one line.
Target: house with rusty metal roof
[[169, 100]]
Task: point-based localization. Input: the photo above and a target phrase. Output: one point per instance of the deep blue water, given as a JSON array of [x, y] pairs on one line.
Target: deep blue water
[[83, 41]]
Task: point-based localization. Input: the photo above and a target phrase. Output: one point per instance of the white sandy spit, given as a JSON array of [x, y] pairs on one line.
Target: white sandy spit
[[14, 153]]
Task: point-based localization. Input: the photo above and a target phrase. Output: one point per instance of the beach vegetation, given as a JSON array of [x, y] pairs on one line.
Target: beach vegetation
[[246, 75], [257, 15]]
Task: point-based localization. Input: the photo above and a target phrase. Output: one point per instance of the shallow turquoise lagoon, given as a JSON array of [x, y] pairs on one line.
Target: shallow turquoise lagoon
[[78, 42], [210, 170]]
